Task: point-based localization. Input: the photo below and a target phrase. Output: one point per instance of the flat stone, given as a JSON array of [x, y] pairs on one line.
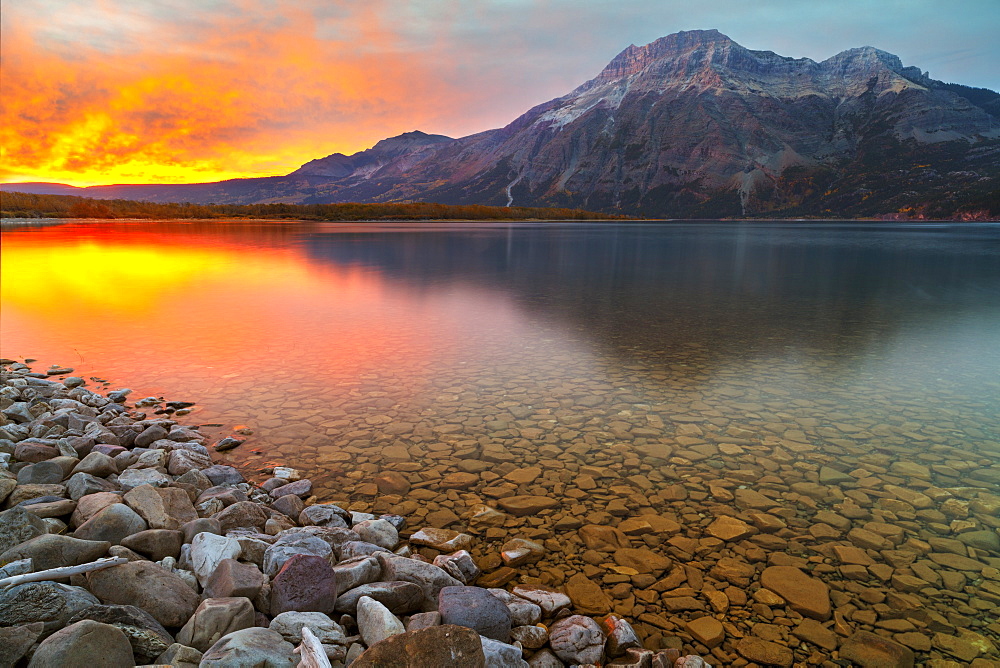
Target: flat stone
[[82, 484], [376, 622], [306, 583], [642, 560], [588, 597], [446, 645], [459, 480], [520, 506], [729, 528], [400, 598], [958, 562], [812, 631], [54, 551], [549, 600], [577, 640], [214, 618], [764, 652], [706, 630], [749, 499], [53, 507], [254, 646], [357, 571], [603, 538], [161, 593], [155, 544], [520, 551], [444, 540], [51, 603], [85, 643], [112, 524], [523, 476], [477, 609], [808, 596], [392, 482], [874, 651], [146, 635]]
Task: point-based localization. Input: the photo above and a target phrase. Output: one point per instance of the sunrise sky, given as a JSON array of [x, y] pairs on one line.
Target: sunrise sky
[[174, 91]]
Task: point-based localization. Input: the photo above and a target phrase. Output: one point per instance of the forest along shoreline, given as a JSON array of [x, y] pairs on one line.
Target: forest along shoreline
[[219, 570]]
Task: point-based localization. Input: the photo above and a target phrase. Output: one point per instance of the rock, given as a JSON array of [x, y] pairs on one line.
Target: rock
[[18, 526], [131, 478], [300, 488], [179, 656], [195, 527], [290, 624], [706, 630], [82, 484], [428, 577], [588, 598], [546, 659], [602, 538], [96, 464], [53, 551], [423, 620], [242, 514], [522, 611], [435, 646], [289, 504], [577, 640], [805, 595], [729, 528], [549, 600], [459, 480], [445, 540], [90, 505], [15, 641], [765, 652], [254, 646], [305, 583], [376, 622], [146, 635], [52, 507], [984, 539], [812, 631], [965, 646], [220, 474], [520, 551], [477, 609], [501, 655], [325, 515], [359, 548], [356, 571], [520, 506], [378, 532], [460, 565], [400, 598], [391, 482], [532, 637], [42, 473], [149, 586], [620, 636], [873, 651], [182, 461], [233, 578], [162, 508], [208, 550], [83, 645], [155, 544], [51, 603], [643, 560], [291, 544], [111, 524], [214, 618]]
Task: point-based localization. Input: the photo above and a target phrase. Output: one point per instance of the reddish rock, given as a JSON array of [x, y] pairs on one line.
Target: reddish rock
[[805, 595], [446, 645], [306, 583], [234, 578], [868, 650]]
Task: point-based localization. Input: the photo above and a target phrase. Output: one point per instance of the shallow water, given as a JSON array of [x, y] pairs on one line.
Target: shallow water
[[643, 368]]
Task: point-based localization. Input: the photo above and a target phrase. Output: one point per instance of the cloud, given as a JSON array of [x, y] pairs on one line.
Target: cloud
[[112, 91]]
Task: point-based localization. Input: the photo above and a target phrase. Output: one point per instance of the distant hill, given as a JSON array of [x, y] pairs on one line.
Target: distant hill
[[690, 125]]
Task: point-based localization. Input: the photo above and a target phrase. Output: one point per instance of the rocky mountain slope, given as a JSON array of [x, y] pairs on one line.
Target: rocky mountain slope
[[691, 125]]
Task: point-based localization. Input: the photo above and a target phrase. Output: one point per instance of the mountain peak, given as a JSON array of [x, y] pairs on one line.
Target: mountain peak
[[635, 58]]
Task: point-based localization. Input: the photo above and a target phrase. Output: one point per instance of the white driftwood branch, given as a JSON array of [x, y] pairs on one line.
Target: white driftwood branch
[[62, 572], [312, 652]]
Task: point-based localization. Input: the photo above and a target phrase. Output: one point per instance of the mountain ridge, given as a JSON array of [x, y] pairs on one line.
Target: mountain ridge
[[690, 125]]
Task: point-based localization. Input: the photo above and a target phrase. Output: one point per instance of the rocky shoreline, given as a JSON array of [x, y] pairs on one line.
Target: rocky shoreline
[[179, 561], [888, 570]]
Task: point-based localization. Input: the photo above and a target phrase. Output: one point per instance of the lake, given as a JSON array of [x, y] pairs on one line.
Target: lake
[[846, 373]]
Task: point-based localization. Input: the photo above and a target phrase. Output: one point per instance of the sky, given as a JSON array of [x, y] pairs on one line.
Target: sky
[[180, 91]]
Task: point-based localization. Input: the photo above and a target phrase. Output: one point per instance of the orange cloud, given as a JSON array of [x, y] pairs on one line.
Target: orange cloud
[[104, 97]]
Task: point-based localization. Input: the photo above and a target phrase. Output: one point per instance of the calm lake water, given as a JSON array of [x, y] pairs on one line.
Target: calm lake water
[[652, 367]]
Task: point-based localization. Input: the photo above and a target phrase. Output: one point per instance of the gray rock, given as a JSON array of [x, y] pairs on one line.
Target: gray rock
[[161, 593], [378, 532], [83, 644], [300, 488], [289, 625], [214, 618], [577, 639], [183, 461], [82, 484], [430, 578], [476, 609], [129, 479], [220, 474], [208, 550], [324, 515], [112, 524], [146, 635], [53, 551], [423, 620], [48, 602], [18, 526], [376, 622], [153, 432], [254, 646], [400, 598], [545, 659], [41, 473], [551, 601], [501, 655], [356, 571], [459, 565], [179, 656], [621, 637], [522, 612], [286, 547], [359, 548]]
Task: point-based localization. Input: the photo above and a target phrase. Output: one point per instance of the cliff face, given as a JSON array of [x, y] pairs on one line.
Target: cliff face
[[690, 125]]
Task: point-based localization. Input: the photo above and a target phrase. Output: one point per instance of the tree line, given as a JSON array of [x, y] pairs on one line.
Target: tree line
[[27, 205]]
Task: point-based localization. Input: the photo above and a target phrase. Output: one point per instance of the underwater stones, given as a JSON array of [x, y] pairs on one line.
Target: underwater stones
[[587, 596], [874, 651], [528, 504], [808, 596]]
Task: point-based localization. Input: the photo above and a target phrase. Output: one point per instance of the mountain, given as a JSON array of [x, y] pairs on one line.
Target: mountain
[[690, 125]]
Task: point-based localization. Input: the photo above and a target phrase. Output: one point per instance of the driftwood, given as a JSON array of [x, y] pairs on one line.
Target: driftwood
[[312, 652], [62, 572]]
